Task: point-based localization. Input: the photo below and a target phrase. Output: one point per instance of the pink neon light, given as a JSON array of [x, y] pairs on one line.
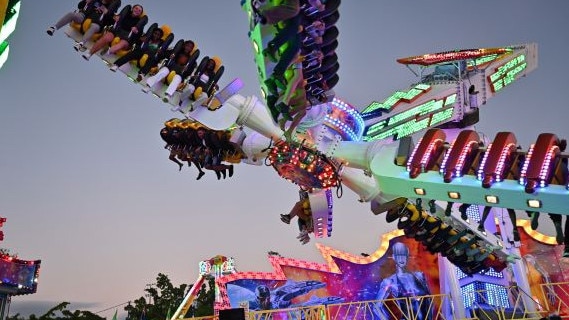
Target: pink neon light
[[462, 158], [410, 161], [427, 155], [545, 167], [445, 159], [278, 262], [523, 174], [483, 162], [502, 161]]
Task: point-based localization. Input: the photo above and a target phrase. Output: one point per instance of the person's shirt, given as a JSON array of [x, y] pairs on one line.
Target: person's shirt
[[128, 22]]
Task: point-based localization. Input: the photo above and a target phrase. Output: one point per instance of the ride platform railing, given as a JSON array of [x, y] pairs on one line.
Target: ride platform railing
[[551, 299]]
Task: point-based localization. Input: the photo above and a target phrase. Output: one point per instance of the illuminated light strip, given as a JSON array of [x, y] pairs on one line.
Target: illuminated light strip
[[441, 116], [429, 152], [450, 99], [10, 25], [351, 110], [330, 266], [480, 61], [523, 174], [419, 110], [534, 234], [354, 133], [462, 158], [483, 162], [411, 126], [446, 157], [446, 56], [410, 160], [422, 109], [4, 52], [376, 127], [502, 161], [397, 97], [506, 74], [545, 167], [329, 253]]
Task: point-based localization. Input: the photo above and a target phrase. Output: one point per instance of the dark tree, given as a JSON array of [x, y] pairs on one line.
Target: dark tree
[[165, 296]]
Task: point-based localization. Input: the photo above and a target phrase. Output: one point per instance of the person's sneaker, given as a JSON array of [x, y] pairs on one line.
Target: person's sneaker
[[145, 88], [534, 220], [79, 47], [114, 68], [463, 214], [285, 218], [200, 175], [50, 30], [566, 253], [87, 56], [230, 170], [481, 228], [139, 77]]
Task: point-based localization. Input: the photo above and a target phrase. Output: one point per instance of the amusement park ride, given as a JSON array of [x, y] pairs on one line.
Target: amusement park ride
[[411, 156], [17, 276]]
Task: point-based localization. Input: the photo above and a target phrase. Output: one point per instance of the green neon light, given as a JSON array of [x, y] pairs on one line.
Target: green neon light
[[376, 127], [413, 126], [4, 51], [406, 123], [507, 73], [397, 97], [10, 24], [482, 60], [441, 116], [450, 99], [419, 110]]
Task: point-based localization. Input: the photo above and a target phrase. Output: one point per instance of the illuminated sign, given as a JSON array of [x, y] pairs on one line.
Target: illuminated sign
[[217, 266], [18, 276], [425, 115], [507, 73], [398, 96], [433, 58]]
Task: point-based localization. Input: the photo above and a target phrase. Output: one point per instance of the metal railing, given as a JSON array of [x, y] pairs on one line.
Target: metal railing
[[550, 299]]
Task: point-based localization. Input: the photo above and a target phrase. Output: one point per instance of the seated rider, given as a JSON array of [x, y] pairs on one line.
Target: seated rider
[[181, 62], [208, 143], [200, 79], [126, 27], [101, 13], [150, 44]]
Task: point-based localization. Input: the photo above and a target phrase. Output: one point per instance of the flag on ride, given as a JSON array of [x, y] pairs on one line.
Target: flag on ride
[[115, 316]]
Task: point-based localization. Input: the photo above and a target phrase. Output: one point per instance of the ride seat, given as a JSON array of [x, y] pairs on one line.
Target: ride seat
[[166, 33], [84, 26], [193, 56], [116, 40]]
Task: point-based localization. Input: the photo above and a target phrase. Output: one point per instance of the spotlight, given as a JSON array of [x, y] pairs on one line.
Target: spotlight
[[454, 195], [534, 203], [420, 191], [492, 199]]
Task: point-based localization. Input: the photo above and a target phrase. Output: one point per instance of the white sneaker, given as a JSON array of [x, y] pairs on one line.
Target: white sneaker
[[50, 30], [79, 46], [86, 56], [114, 68], [145, 88]]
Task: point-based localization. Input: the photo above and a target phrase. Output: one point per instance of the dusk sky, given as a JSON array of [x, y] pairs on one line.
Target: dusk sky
[[86, 184]]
